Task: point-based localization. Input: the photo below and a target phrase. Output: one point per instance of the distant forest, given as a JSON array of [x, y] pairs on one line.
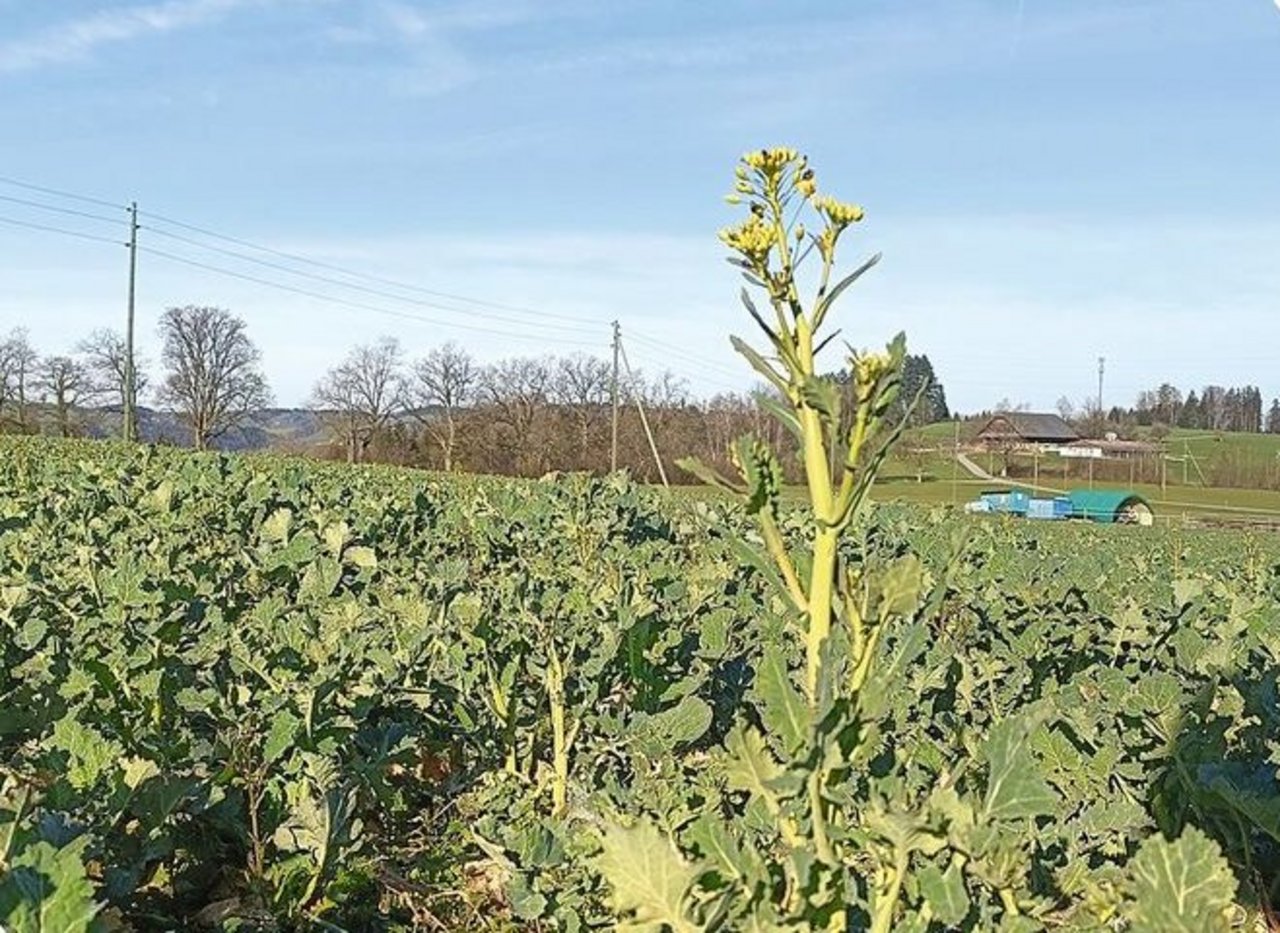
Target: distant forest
[[443, 410], [1213, 408]]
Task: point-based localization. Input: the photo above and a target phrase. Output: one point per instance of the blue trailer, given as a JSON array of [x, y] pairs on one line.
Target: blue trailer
[[1103, 506]]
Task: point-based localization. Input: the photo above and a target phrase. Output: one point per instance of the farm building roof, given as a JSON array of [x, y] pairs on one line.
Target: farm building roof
[[1028, 427]]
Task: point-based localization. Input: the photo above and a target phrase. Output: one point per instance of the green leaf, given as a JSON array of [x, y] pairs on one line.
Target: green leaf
[[1015, 789], [362, 557], [138, 771], [321, 578], [761, 472], [684, 723], [1180, 887], [829, 299], [759, 364], [32, 633], [526, 903], [945, 893], [784, 414], [284, 731], [902, 587], [716, 843], [707, 474], [336, 537], [1186, 590], [888, 675], [91, 754], [822, 396], [752, 767], [45, 890], [755, 314], [783, 710], [650, 879], [1262, 809], [276, 528]]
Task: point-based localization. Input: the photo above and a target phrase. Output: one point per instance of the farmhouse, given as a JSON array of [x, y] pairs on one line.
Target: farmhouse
[[1026, 429], [1111, 448]]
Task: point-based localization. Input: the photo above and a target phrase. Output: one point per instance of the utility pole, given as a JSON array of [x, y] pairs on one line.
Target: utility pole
[[130, 373], [955, 467], [644, 420], [613, 395], [1102, 365]]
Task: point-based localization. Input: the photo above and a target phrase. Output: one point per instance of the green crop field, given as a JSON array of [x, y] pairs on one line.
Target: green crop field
[[266, 694]]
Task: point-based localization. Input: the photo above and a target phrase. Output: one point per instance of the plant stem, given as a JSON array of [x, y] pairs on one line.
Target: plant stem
[[887, 901], [559, 745], [778, 550], [257, 856], [821, 586], [817, 808], [513, 766]]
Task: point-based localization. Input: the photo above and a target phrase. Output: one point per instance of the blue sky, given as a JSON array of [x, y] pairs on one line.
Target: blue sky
[[1049, 180]]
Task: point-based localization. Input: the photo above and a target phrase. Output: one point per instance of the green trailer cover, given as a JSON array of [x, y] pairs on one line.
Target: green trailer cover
[[1103, 505]]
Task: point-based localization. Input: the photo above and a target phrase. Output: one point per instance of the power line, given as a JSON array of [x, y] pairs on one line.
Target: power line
[[583, 322], [355, 304], [658, 346], [577, 328], [61, 230], [294, 257], [661, 366], [62, 210], [60, 194]]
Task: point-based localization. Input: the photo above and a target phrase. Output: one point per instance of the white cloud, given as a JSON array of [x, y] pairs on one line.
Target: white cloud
[[74, 40]]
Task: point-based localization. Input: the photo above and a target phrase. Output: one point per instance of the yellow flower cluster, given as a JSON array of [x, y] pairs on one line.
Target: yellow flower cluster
[[868, 370], [770, 161], [803, 179], [838, 213], [753, 238]]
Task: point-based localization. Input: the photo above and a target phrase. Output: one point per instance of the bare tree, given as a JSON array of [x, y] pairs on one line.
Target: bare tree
[[581, 385], [18, 361], [106, 357], [667, 392], [63, 383], [516, 390], [214, 379], [443, 382], [362, 394]]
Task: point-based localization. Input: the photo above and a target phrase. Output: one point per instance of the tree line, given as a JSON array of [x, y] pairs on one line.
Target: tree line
[[524, 415], [1214, 408], [212, 378]]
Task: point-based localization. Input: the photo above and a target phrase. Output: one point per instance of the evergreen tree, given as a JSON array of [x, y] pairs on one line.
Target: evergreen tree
[[918, 372], [1189, 416]]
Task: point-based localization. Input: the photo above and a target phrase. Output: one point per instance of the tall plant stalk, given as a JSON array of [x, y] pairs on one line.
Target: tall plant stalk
[[771, 245]]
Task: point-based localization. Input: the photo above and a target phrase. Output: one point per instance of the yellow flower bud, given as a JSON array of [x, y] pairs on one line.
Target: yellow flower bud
[[753, 239], [770, 162], [838, 213], [868, 370]]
